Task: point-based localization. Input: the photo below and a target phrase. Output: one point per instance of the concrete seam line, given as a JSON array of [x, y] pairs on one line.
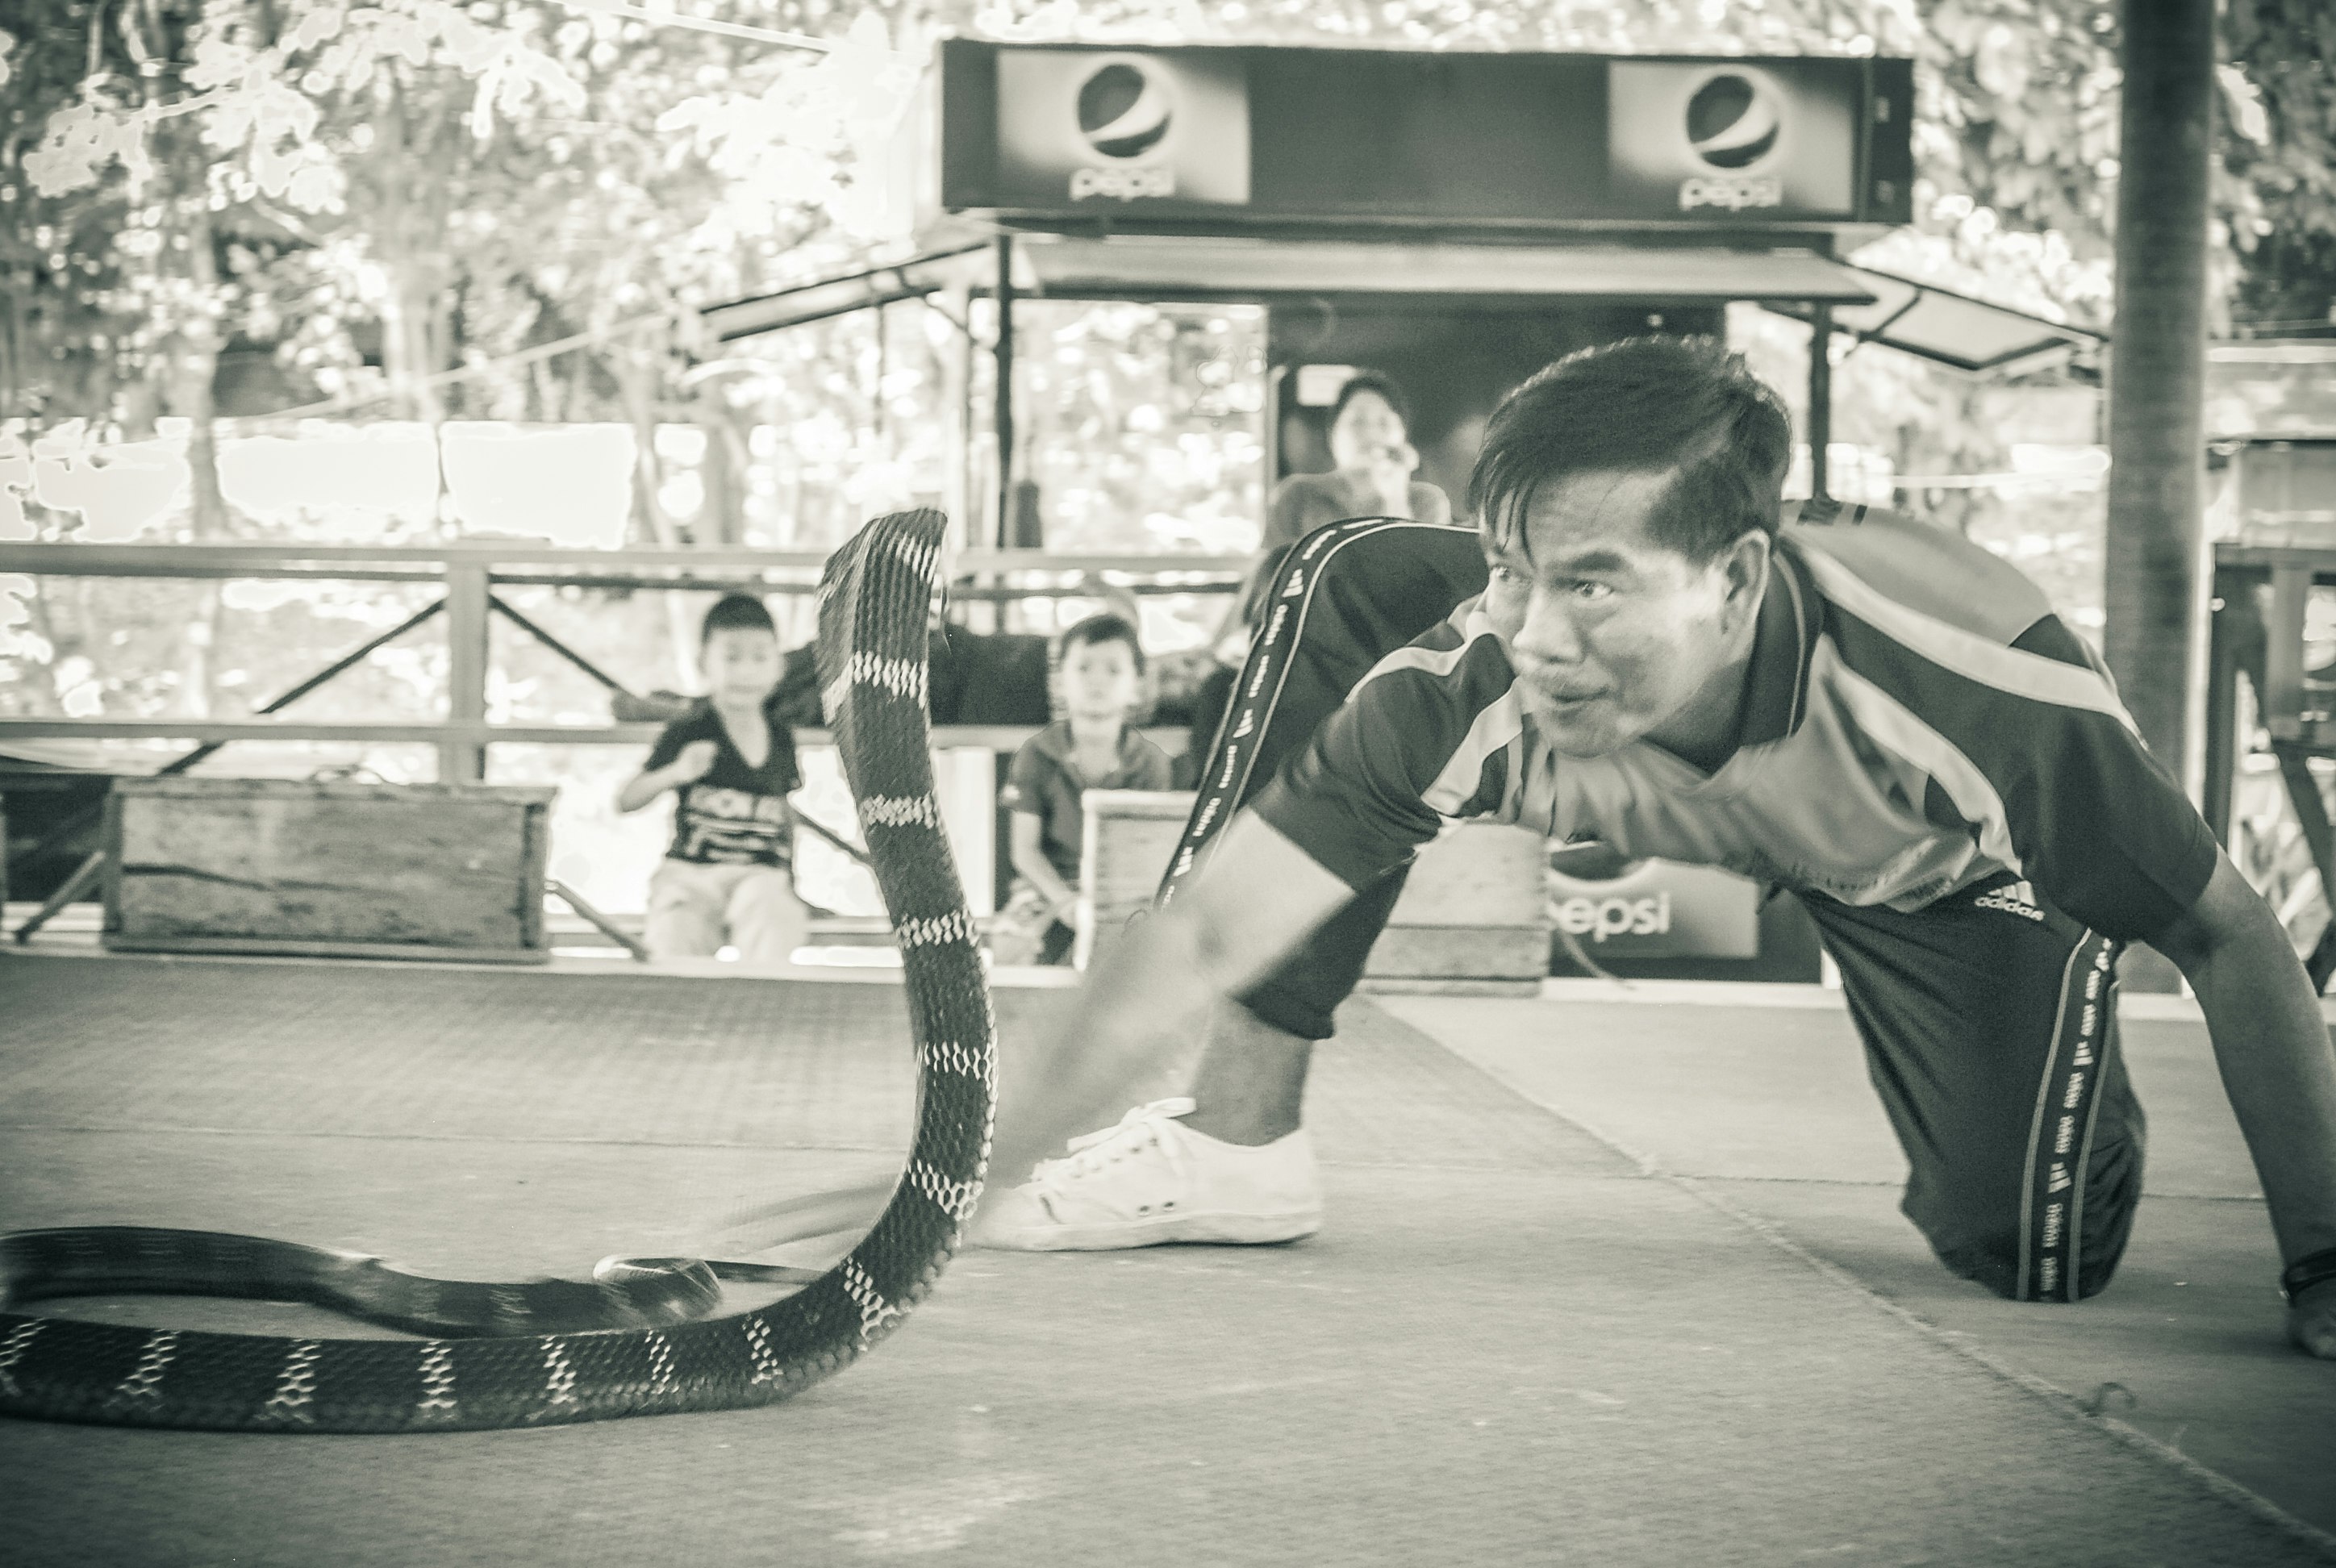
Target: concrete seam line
[[2051, 1394]]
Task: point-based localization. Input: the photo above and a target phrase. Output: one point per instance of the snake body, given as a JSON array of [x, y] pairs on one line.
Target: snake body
[[479, 1371]]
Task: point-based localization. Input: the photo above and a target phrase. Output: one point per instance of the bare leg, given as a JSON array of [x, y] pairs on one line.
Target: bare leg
[[1251, 1080]]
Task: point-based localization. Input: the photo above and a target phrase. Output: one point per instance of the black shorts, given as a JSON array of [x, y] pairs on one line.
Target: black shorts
[[1990, 1026], [1989, 1021]]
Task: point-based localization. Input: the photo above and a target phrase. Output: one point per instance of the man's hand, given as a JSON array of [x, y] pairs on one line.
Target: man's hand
[[2312, 1320], [695, 761]]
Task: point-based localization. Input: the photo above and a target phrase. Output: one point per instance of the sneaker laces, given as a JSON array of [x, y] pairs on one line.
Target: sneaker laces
[[1141, 1127]]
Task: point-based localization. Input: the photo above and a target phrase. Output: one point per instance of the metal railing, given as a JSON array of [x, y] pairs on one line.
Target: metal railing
[[470, 572]]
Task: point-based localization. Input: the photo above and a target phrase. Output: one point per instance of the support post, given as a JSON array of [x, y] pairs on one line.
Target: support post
[[462, 761], [2233, 600], [1820, 399], [1003, 404], [2157, 379]]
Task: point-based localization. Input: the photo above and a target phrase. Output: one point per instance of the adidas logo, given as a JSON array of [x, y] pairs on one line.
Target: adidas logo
[[2012, 899]]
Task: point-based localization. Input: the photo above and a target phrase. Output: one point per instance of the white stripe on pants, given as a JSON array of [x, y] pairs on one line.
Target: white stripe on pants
[[696, 909]]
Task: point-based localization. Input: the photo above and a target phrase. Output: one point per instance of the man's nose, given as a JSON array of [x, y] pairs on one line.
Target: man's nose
[[1548, 633]]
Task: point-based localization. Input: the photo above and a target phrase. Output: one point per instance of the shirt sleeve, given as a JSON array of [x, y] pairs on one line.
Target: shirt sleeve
[[668, 744], [1286, 515], [1430, 504], [1427, 735], [1026, 781], [784, 763], [2103, 830], [1154, 771], [2047, 774]]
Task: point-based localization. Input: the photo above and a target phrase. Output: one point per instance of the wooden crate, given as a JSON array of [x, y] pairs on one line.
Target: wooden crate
[[1130, 837], [336, 869], [1473, 909]]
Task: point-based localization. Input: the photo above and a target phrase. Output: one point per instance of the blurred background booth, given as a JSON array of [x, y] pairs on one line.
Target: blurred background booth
[[1453, 221]]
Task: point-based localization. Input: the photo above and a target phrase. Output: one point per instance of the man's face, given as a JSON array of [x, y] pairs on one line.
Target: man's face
[[1100, 680], [741, 665], [1610, 632]]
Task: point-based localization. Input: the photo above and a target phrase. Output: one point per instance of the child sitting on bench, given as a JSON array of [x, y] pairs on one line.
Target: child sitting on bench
[[1094, 747], [727, 880]]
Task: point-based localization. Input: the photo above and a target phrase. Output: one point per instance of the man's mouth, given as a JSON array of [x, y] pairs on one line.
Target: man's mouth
[[1558, 696]]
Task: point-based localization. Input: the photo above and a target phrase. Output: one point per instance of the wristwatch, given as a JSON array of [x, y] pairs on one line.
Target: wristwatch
[[2312, 1269]]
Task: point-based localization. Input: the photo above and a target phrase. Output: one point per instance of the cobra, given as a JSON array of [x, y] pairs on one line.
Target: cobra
[[523, 1355]]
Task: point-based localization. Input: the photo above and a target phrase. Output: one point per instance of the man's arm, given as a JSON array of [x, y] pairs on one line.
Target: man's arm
[[1258, 898], [2277, 1067]]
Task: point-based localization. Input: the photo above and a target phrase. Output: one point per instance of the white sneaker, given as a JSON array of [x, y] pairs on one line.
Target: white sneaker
[[1152, 1179]]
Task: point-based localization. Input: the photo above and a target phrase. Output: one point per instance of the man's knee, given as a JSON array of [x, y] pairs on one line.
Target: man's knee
[[2032, 1258]]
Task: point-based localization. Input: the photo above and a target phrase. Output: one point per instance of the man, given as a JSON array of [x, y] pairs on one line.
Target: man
[[1872, 714]]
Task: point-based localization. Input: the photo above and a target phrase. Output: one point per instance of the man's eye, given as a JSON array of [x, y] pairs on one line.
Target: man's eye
[[1591, 592], [1506, 575]]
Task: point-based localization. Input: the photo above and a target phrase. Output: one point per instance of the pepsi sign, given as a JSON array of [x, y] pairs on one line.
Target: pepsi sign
[[1729, 138], [1108, 129], [1239, 138]]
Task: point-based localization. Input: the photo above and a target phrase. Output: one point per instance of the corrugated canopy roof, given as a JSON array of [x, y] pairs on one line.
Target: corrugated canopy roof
[[1151, 268], [1950, 328], [1921, 318], [1222, 268]]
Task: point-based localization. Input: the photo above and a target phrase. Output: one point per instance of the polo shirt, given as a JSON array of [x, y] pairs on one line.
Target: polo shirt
[[1916, 720], [1046, 782]]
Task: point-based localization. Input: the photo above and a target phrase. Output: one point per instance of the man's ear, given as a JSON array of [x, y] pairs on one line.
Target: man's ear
[[1746, 568]]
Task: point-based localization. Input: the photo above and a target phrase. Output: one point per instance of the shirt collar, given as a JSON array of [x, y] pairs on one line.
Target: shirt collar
[[1055, 741], [1776, 682]]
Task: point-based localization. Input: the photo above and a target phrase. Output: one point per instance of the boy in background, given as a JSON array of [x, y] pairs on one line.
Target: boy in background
[[1102, 677], [727, 879]]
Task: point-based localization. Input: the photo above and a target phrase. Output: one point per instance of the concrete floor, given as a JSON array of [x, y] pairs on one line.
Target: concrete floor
[[1520, 1338], [1768, 1111]]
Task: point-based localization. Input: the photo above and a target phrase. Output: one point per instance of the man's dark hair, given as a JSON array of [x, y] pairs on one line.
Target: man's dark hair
[[1364, 381], [1102, 628], [737, 612], [1679, 406]]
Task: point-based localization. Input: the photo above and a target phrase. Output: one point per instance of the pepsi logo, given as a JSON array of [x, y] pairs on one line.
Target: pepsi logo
[[1123, 110], [1732, 121]]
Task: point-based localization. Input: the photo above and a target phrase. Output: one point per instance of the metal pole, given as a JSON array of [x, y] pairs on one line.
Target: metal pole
[[1004, 401], [464, 761], [1820, 399], [555, 645], [2156, 383], [598, 921]]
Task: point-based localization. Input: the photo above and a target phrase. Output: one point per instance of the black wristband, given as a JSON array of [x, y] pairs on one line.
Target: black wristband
[[2314, 1269]]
